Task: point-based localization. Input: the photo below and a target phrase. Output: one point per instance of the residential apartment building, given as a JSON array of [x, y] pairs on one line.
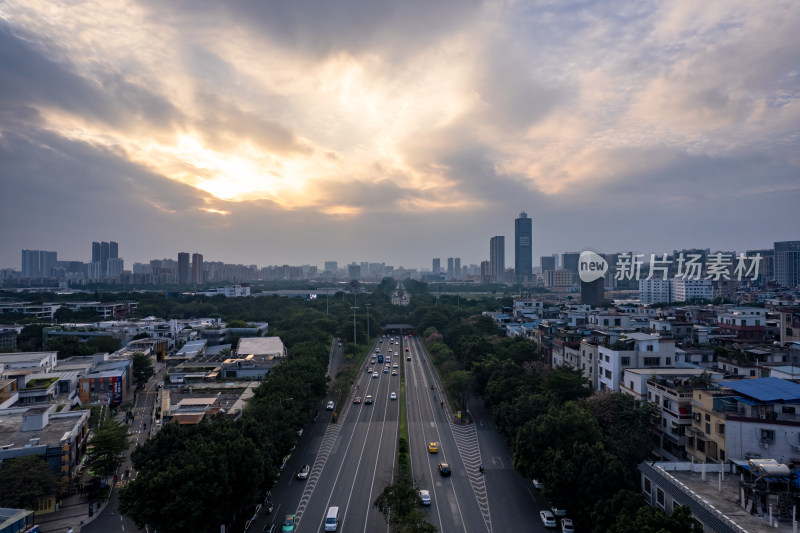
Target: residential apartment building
[[632, 350], [684, 290], [653, 291], [745, 324]]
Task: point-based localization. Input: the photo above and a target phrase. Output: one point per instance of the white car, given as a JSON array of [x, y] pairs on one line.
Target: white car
[[329, 407], [537, 484], [566, 526], [559, 511], [547, 518], [425, 497], [374, 374], [393, 396]]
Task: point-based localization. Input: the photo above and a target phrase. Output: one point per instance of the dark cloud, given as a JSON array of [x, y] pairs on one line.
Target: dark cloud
[[321, 28], [28, 77]]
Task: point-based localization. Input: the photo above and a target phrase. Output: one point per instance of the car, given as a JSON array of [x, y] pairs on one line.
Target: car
[[395, 365], [391, 342], [558, 511], [537, 484], [357, 399], [386, 370], [393, 396], [304, 471], [408, 358], [329, 407], [289, 523], [368, 399], [425, 497], [547, 518], [433, 447], [566, 526], [374, 374], [394, 372], [395, 354], [444, 469], [406, 349]]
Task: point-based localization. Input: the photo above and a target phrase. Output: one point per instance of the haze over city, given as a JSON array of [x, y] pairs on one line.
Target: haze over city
[[273, 133]]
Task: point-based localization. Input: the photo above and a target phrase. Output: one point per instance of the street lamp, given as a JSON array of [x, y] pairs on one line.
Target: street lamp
[[354, 325], [367, 306], [280, 400]]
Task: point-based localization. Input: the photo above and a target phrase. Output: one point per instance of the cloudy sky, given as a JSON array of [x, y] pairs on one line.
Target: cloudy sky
[[273, 132]]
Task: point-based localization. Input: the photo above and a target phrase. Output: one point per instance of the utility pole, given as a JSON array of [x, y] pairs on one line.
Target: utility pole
[[367, 306], [354, 325], [327, 294]]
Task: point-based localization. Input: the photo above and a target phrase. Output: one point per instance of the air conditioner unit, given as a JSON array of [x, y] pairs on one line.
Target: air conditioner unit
[[762, 417], [764, 445]]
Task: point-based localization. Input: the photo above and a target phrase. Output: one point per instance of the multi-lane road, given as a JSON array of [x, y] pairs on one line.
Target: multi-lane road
[[353, 459]]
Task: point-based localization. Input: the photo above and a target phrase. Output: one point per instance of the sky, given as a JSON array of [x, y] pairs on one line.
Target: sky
[[261, 132]]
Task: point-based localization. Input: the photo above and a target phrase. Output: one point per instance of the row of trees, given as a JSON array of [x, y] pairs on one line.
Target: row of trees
[[584, 447]]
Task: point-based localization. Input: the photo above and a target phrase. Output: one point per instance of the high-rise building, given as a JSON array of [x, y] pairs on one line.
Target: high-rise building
[[655, 290], [548, 262], [450, 271], [354, 271], [437, 266], [457, 268], [523, 250], [486, 272], [105, 251], [593, 292], [570, 260], [766, 265], [184, 269], [331, 268], [787, 263], [113, 250], [497, 258], [37, 263], [197, 269], [95, 252], [114, 267]]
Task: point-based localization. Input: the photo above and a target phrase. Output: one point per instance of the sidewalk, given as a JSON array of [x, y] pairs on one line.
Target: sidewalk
[[73, 513]]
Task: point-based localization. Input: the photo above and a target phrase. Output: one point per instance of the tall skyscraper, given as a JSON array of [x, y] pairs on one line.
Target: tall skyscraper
[[113, 250], [592, 292], [37, 263], [331, 268], [548, 262], [457, 268], [437, 266], [787, 263], [197, 269], [497, 258], [450, 271], [105, 253], [95, 252], [184, 270], [523, 250]]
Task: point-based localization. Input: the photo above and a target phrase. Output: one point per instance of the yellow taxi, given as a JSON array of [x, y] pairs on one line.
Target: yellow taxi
[[433, 447]]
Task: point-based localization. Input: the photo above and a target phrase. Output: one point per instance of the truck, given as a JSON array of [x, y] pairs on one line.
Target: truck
[[380, 358]]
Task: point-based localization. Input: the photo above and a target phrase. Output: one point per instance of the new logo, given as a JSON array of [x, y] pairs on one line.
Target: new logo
[[591, 266]]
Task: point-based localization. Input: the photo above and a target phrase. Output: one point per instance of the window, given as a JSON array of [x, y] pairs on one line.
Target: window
[[631, 385], [649, 347], [721, 429], [660, 497], [708, 428], [722, 455], [708, 417], [608, 374], [788, 409], [669, 360], [752, 373], [767, 436], [651, 361], [625, 361], [647, 485], [617, 322]]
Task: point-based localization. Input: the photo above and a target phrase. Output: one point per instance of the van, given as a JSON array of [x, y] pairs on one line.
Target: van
[[332, 519]]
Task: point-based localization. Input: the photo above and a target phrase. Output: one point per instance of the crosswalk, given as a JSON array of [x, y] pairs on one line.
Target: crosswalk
[[319, 463], [466, 437]]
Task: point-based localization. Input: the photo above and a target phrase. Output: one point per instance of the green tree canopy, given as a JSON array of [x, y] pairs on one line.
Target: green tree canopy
[[142, 368], [109, 443], [566, 384], [23, 480]]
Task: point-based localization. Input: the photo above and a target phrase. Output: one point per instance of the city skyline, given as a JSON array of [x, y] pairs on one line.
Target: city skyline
[[270, 134]]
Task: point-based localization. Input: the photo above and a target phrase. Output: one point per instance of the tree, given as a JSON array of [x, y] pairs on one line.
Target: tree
[[30, 338], [107, 448], [67, 346], [567, 384], [627, 425], [142, 368], [24, 480], [459, 385]]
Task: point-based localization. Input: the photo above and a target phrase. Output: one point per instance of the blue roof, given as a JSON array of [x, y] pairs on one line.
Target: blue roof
[[767, 390]]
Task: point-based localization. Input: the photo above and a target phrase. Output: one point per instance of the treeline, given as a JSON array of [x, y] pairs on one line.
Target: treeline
[[196, 477], [583, 446]]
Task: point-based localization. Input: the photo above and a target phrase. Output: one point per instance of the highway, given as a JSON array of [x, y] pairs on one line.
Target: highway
[[353, 460]]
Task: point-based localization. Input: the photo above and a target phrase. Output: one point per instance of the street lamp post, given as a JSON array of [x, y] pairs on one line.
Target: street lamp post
[[367, 306], [354, 325], [280, 400]]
